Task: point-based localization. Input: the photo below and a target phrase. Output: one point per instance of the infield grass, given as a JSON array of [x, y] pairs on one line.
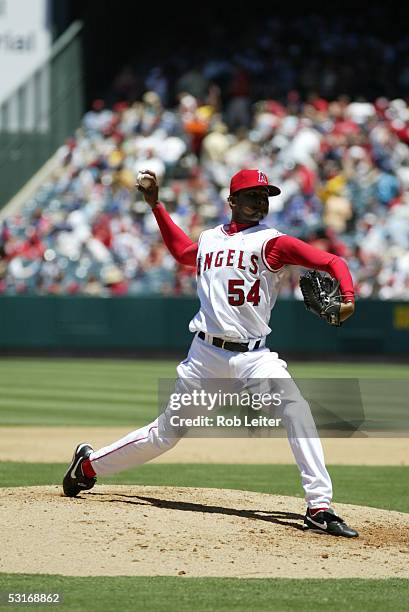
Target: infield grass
[[183, 594], [115, 392]]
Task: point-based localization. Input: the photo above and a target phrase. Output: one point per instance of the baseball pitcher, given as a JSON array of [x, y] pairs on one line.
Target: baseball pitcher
[[239, 267]]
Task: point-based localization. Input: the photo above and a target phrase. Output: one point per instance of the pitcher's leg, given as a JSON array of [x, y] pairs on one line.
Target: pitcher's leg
[[299, 424], [307, 450], [137, 447], [152, 440]]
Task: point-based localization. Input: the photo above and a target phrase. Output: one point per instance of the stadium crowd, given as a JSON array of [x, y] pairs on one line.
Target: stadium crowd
[[343, 167], [342, 163]]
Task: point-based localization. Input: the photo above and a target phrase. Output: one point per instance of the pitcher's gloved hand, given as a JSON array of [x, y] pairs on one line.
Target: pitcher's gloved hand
[[323, 297]]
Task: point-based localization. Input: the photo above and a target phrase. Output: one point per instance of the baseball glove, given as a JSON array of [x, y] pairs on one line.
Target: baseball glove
[[322, 296]]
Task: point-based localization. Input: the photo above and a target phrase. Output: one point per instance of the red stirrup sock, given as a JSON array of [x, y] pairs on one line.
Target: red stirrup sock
[[87, 469], [314, 511]]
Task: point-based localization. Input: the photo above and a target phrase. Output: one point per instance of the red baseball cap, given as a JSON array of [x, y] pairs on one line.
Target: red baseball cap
[[252, 178]]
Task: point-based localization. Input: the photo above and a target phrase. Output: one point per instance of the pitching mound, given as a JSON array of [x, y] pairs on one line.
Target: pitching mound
[[148, 531]]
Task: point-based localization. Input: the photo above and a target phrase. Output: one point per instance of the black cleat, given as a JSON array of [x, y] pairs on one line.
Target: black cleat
[[326, 521], [74, 480]]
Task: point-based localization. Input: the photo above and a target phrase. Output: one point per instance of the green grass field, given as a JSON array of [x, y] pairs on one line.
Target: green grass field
[[162, 594], [61, 392], [65, 392]]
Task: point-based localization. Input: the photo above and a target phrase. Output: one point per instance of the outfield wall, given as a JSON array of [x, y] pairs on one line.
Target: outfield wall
[[157, 323]]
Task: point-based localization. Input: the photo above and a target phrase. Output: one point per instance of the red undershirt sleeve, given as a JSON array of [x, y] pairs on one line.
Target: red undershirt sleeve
[[289, 250], [183, 249]]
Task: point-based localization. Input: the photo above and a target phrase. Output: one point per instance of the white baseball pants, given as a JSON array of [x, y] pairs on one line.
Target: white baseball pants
[[205, 361]]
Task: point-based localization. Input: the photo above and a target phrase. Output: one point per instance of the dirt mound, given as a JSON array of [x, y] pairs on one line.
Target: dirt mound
[[148, 531]]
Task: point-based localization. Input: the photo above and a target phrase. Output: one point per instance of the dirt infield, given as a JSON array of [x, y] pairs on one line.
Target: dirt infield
[[147, 531], [56, 444]]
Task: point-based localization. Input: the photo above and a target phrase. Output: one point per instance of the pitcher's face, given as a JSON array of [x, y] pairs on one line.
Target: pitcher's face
[[249, 205]]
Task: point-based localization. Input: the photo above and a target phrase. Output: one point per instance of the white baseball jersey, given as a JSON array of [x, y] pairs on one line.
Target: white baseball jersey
[[236, 287]]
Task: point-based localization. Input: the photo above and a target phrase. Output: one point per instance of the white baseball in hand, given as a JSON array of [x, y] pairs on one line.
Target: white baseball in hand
[[146, 181]]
